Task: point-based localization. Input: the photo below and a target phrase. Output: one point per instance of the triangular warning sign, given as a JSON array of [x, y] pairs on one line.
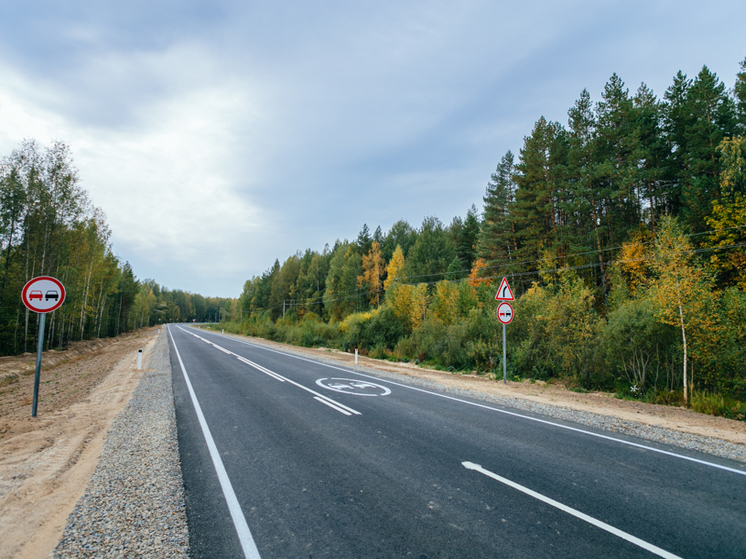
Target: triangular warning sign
[[504, 293]]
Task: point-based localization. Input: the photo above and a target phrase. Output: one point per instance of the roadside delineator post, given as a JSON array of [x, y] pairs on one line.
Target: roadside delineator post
[[139, 359]]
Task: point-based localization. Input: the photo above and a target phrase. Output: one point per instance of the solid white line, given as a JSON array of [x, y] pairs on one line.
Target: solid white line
[[576, 513], [331, 405], [321, 397], [506, 412], [261, 369], [239, 521]]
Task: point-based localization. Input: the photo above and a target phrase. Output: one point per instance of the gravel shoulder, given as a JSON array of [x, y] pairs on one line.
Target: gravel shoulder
[[134, 504]]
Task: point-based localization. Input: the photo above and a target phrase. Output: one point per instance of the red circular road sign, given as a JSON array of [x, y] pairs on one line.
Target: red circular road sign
[[43, 294], [504, 313]]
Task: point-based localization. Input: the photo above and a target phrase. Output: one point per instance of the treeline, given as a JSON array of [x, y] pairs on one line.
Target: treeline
[[623, 233], [48, 226]]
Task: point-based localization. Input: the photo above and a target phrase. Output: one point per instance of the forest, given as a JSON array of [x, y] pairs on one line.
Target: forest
[[622, 233], [48, 226]]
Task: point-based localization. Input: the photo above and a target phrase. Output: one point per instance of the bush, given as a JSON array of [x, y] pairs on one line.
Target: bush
[[555, 333], [716, 404], [384, 329], [638, 348]]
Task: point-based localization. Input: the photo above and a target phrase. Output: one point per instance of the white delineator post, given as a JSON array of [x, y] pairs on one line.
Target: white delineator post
[[355, 356], [139, 359]]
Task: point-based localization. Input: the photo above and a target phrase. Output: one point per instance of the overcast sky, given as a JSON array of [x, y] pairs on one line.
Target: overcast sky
[[219, 136]]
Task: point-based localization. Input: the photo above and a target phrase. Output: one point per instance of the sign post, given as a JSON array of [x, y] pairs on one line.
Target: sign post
[[505, 316], [42, 295]]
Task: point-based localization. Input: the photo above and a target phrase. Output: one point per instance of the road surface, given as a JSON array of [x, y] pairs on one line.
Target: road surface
[[286, 457]]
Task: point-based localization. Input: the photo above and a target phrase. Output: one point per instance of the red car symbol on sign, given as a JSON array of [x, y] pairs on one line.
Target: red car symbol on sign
[[504, 313], [43, 294]]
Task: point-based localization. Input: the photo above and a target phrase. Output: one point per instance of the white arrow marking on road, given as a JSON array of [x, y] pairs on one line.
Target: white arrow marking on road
[[576, 513]]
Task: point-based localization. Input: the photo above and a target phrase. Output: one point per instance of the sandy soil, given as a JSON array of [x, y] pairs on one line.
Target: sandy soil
[[604, 403], [46, 462]]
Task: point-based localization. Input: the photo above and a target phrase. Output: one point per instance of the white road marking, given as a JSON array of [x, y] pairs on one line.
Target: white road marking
[[506, 412], [576, 513], [320, 397], [331, 405], [239, 520], [353, 387], [261, 369]]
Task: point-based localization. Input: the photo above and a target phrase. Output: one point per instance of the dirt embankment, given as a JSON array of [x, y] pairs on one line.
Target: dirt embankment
[[46, 462]]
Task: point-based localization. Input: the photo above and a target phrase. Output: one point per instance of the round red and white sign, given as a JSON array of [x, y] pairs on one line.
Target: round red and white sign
[[504, 313], [43, 294]]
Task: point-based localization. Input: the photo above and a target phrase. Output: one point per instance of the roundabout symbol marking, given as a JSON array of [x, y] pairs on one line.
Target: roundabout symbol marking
[[353, 386]]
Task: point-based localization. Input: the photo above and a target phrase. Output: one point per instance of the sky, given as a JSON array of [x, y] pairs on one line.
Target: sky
[[219, 136]]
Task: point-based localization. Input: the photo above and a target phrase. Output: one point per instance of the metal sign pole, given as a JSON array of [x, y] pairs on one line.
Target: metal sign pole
[[37, 376], [505, 359]]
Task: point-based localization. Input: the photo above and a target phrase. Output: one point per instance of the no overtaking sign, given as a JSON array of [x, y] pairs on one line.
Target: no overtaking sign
[[43, 294]]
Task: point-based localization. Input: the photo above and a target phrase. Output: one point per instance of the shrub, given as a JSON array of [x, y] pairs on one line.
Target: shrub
[[637, 346]]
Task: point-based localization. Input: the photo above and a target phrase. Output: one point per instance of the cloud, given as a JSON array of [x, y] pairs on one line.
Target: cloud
[[168, 177], [218, 137]]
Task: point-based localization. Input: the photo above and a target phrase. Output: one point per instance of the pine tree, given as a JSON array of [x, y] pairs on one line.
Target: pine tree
[[677, 119], [364, 240], [712, 118], [467, 239], [619, 157], [538, 212], [739, 92], [584, 182], [497, 239], [652, 152]]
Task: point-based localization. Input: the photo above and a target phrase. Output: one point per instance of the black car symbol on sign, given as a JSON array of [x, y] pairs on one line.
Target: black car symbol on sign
[[52, 295]]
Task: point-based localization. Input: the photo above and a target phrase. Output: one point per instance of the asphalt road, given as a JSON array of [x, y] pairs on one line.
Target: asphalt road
[[288, 457]]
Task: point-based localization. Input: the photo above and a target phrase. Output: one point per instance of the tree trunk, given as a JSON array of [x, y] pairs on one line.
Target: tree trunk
[[683, 337]]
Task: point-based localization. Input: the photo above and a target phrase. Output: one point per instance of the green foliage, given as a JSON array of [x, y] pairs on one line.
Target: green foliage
[[638, 348], [597, 224], [716, 404], [557, 329]]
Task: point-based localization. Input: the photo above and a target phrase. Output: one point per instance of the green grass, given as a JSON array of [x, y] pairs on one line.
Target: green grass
[[715, 404]]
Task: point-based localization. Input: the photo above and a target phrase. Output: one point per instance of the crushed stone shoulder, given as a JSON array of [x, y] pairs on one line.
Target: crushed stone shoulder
[[134, 504]]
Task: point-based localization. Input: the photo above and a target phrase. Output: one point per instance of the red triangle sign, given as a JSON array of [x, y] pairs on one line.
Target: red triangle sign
[[504, 293]]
